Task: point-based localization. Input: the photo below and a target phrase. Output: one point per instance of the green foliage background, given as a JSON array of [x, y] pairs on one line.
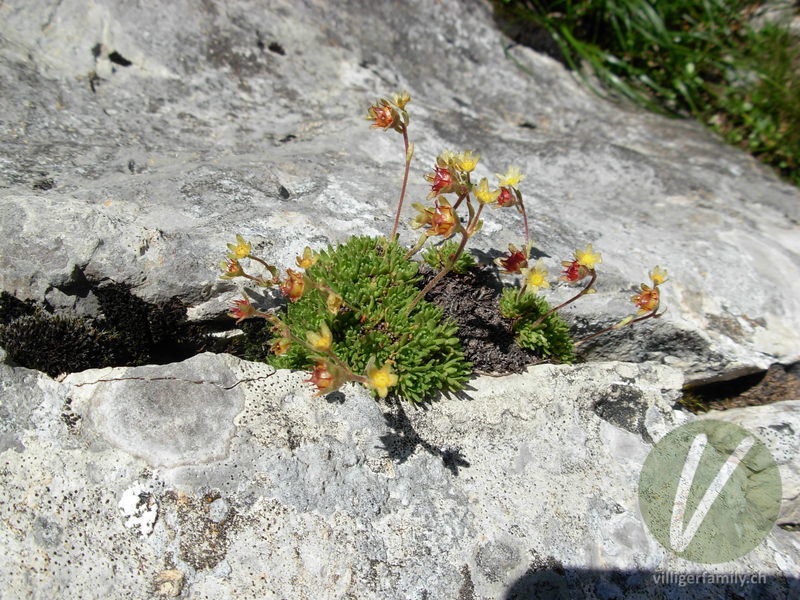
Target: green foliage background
[[698, 57]]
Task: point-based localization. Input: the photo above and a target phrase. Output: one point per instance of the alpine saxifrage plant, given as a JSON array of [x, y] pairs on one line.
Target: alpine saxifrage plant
[[356, 311]]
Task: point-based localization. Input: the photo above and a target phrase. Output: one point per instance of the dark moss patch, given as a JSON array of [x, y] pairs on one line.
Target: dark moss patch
[[12, 308], [253, 343], [148, 333], [129, 332], [55, 344]]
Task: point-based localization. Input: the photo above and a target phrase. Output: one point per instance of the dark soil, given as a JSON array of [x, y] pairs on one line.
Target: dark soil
[[778, 383], [472, 301]]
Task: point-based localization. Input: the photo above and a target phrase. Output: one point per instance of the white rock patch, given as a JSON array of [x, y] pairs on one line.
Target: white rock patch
[[139, 505]]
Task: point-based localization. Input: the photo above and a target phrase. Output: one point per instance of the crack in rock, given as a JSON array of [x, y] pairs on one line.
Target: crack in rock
[[169, 420], [194, 382]]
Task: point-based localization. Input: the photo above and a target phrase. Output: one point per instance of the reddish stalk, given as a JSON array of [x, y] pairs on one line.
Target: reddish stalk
[[651, 315], [465, 235], [258, 280], [570, 301], [459, 201], [521, 208], [272, 269], [403, 189]]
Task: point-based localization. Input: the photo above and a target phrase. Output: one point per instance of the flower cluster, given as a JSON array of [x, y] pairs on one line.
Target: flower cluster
[[342, 318], [390, 114], [329, 372], [648, 300], [452, 175]]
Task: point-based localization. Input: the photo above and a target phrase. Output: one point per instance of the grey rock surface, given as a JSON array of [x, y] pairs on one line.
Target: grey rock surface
[[527, 483], [248, 117], [778, 426], [168, 420], [137, 138]]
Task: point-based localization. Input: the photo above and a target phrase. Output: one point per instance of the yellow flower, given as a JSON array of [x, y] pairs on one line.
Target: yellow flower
[[320, 341], [308, 259], [510, 178], [334, 303], [467, 161], [484, 194], [537, 276], [241, 249], [587, 257], [400, 100], [381, 379], [281, 346], [446, 158], [658, 275]]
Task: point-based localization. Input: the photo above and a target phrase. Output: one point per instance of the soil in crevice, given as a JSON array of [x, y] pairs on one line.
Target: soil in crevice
[[778, 383], [128, 332], [472, 301]]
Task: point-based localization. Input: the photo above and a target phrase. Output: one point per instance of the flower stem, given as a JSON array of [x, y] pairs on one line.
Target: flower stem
[[521, 208], [271, 268], [420, 243], [651, 315], [440, 274], [459, 201], [570, 301], [253, 278], [465, 235], [405, 183]]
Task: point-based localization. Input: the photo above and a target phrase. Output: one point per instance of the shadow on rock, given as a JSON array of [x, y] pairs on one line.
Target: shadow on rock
[[403, 440], [552, 581]]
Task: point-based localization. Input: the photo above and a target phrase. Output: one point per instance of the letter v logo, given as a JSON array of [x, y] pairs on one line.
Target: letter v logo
[[709, 491], [679, 538]]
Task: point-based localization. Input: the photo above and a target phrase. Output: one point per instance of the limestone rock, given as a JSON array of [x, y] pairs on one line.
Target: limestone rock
[[169, 583], [524, 483], [778, 426], [167, 419], [137, 140]]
